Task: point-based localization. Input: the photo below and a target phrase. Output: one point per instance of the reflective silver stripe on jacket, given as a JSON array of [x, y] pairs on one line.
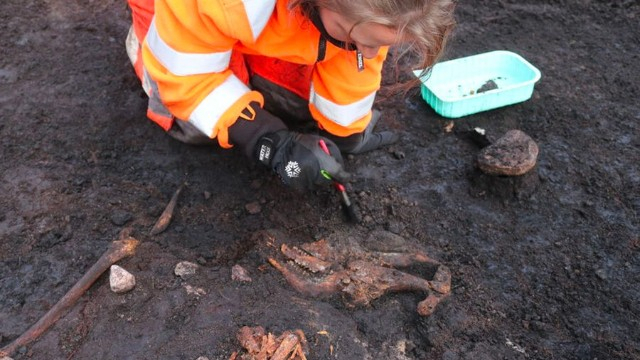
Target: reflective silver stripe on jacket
[[181, 63], [343, 115], [258, 12], [207, 114]]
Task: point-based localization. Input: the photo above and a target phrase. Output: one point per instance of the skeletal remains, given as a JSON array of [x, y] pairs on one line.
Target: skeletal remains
[[360, 275], [259, 345]]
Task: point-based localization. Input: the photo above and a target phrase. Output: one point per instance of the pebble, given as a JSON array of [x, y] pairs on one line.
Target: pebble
[[185, 269], [514, 154], [121, 280], [399, 155], [120, 217], [395, 227], [195, 290], [253, 208], [238, 273]]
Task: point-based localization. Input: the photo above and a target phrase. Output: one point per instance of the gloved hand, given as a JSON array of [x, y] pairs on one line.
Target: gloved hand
[[364, 141], [297, 158]]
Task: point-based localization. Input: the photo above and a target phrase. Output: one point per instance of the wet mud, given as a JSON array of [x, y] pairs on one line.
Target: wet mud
[[543, 266]]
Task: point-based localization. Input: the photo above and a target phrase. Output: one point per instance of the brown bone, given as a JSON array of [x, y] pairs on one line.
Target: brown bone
[[118, 250], [165, 218]]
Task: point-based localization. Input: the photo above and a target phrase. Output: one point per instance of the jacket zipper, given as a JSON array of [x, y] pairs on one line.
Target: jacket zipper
[[322, 49]]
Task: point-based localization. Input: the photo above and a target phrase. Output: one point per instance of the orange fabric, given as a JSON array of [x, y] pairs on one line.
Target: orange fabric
[[141, 13], [165, 122], [293, 77], [238, 65], [284, 52], [361, 82]]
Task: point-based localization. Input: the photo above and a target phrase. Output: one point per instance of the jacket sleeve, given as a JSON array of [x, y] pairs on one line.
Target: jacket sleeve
[[341, 97], [187, 53]]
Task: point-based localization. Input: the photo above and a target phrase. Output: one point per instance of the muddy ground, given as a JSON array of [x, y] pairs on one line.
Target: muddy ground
[[548, 272]]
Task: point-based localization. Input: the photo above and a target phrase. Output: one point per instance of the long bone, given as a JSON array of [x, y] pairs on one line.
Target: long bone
[[117, 251]]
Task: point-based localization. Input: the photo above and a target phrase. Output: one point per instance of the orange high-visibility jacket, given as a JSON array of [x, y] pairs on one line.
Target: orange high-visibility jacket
[[190, 47]]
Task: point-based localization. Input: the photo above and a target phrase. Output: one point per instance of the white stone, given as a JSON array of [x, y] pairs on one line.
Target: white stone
[[185, 269], [195, 291], [238, 273], [121, 280]]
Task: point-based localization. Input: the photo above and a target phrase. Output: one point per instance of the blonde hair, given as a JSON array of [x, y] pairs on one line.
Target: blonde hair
[[425, 24]]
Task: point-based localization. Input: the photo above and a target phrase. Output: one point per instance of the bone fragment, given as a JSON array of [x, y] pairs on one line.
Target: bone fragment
[[305, 260], [165, 218], [428, 305], [289, 342], [118, 250], [330, 285]]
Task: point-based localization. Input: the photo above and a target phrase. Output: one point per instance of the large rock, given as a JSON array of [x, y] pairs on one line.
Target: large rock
[[513, 154]]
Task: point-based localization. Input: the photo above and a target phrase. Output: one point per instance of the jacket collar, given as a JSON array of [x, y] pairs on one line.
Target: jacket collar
[[314, 16]]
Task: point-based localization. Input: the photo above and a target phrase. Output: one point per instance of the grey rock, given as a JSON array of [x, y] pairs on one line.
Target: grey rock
[[185, 269]]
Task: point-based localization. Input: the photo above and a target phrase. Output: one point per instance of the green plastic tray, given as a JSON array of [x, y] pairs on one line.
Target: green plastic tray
[[476, 83]]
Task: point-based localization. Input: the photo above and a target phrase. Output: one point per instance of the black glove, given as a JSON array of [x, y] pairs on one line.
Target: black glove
[[364, 141], [297, 158], [246, 133]]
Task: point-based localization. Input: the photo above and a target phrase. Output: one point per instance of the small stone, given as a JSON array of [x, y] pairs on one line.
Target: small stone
[[238, 273], [602, 274], [399, 154], [513, 154], [120, 217], [448, 127], [395, 227], [121, 280], [185, 269], [207, 195], [253, 208], [489, 85], [195, 290]]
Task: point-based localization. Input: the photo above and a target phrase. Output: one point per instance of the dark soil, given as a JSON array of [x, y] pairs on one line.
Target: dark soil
[[548, 273]]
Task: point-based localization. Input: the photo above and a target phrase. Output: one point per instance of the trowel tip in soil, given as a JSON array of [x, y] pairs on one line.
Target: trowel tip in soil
[[349, 208], [352, 214]]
